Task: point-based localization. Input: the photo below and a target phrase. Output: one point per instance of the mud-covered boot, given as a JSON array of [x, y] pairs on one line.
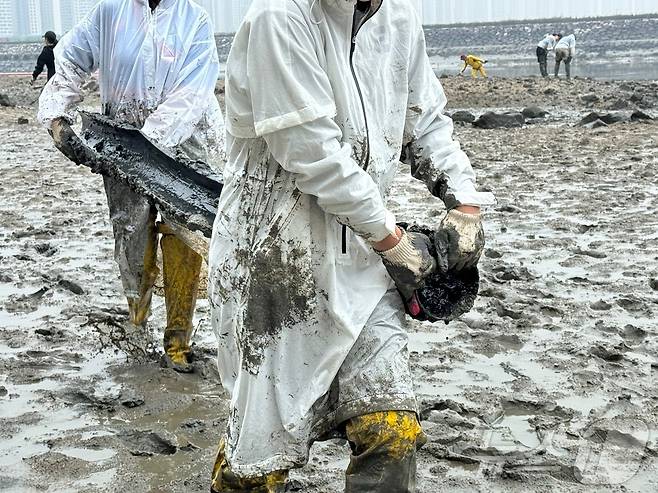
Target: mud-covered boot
[[177, 350], [225, 481], [181, 267], [383, 452]]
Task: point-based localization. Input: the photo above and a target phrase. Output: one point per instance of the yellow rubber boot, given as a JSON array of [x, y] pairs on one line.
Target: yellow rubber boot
[[181, 267], [384, 452], [139, 309], [224, 481]]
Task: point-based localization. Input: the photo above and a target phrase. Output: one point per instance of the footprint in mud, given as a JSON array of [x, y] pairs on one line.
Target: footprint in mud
[[633, 335], [632, 304], [148, 443], [26, 303]]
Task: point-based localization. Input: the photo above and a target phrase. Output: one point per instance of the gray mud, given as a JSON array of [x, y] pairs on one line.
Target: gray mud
[[549, 384]]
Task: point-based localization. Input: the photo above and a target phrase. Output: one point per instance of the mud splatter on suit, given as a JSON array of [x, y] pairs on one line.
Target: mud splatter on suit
[[309, 326]]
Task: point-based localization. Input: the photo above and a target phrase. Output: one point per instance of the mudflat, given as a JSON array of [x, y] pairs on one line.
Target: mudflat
[[549, 384]]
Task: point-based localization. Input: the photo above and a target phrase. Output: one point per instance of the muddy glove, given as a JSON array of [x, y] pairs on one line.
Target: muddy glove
[[459, 241], [69, 143], [409, 262]]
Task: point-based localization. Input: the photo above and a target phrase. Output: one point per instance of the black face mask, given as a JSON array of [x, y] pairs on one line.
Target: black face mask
[[361, 10], [362, 6]]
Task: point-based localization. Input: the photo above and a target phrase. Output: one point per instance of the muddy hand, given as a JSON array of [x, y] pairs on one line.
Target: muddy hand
[[459, 241], [409, 262], [69, 143]]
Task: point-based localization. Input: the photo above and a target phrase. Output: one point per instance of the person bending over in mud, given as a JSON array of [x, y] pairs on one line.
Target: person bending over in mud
[[322, 98], [543, 47], [476, 64], [158, 67], [565, 51]]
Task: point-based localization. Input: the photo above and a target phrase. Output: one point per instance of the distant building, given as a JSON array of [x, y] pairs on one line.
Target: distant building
[[230, 15], [47, 13], [6, 18], [65, 15]]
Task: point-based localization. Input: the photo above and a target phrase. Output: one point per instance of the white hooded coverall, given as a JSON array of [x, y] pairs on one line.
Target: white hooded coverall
[[567, 43], [157, 72], [308, 335]]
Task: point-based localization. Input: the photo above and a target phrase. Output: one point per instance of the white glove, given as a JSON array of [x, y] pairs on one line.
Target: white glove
[[409, 262]]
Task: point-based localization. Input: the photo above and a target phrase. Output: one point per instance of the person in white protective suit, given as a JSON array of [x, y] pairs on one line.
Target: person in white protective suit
[[565, 51], [158, 65], [323, 97]]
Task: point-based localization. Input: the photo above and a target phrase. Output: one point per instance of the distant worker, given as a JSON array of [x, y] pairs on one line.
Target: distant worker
[[47, 56], [476, 64], [565, 50], [545, 45], [158, 66]]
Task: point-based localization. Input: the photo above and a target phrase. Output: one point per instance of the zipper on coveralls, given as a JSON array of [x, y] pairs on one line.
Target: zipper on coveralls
[[364, 163], [151, 64]]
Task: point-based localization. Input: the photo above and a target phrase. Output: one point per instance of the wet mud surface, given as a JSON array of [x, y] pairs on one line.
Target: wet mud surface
[[549, 384]]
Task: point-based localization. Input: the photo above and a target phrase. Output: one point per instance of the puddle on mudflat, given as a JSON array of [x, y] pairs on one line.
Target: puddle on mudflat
[[584, 404], [97, 479], [513, 433], [496, 372], [86, 454]]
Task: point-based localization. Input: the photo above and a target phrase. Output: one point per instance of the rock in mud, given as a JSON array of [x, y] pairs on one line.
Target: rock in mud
[[71, 286], [45, 249], [606, 118], [595, 124], [22, 121], [131, 400], [510, 273], [509, 208], [534, 112], [607, 354], [149, 443], [463, 117], [492, 120], [504, 311], [640, 115], [589, 98], [6, 102], [491, 253], [87, 397], [3, 391], [600, 306], [653, 284]]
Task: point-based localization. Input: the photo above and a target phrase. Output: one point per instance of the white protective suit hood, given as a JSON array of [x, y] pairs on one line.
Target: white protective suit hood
[[157, 71], [311, 155]]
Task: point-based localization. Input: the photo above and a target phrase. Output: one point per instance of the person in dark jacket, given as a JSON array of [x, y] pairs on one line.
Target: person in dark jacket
[[47, 56]]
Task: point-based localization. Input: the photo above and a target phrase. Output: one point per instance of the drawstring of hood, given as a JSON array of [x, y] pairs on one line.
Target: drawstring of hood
[[320, 21]]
